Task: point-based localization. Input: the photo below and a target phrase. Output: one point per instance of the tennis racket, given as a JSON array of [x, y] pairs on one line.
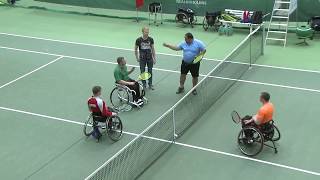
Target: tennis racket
[[144, 76], [198, 57], [235, 117]]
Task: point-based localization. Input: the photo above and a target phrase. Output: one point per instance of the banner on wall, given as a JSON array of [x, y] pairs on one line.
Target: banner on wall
[[202, 2], [192, 2], [198, 6], [293, 6]]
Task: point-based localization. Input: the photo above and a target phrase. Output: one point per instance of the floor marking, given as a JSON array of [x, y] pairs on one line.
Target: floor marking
[[33, 71]]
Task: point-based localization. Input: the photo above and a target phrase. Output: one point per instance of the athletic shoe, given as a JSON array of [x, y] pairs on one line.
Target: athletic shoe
[[151, 87], [250, 141], [138, 102], [180, 90], [194, 92], [144, 86], [96, 134]]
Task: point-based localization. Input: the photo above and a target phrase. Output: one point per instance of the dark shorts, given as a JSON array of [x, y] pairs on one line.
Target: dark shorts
[[193, 68]]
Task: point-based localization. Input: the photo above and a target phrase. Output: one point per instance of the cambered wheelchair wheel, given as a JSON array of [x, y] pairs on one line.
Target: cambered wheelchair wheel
[[88, 126], [114, 129], [120, 98], [250, 141], [276, 135], [205, 24], [183, 18]]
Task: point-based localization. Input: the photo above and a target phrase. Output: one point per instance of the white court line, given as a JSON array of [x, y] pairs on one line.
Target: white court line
[[176, 143], [166, 70], [84, 44], [167, 54], [60, 57], [41, 115]]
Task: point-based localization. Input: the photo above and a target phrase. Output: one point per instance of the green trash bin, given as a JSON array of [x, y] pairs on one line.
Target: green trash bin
[[304, 33]]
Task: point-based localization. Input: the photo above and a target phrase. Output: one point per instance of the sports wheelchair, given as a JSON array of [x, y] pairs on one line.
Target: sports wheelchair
[[211, 20], [112, 126], [186, 16], [11, 2], [251, 138], [315, 24], [121, 98]]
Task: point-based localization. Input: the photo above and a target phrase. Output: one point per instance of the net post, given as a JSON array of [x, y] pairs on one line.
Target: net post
[[137, 15], [250, 51], [174, 126], [263, 38]]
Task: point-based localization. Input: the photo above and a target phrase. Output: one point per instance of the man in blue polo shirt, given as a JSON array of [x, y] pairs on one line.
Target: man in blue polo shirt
[[191, 48]]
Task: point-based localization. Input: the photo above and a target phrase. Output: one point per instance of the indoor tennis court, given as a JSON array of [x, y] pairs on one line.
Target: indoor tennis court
[[50, 60]]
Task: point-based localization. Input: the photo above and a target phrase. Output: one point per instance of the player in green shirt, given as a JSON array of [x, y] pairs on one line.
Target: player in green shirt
[[121, 75]]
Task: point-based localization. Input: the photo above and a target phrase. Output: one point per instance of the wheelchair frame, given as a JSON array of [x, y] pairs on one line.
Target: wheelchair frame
[[263, 136], [214, 22], [110, 126], [314, 24], [128, 99], [186, 17]]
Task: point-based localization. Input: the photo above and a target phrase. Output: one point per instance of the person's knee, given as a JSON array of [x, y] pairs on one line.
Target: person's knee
[[195, 77]]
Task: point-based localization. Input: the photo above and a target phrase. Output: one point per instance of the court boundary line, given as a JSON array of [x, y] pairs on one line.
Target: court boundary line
[[176, 143], [31, 72], [167, 54], [165, 70]]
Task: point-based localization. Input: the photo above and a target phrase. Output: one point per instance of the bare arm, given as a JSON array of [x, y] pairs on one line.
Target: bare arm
[[136, 52], [175, 48], [131, 70], [256, 119], [126, 83], [153, 54]]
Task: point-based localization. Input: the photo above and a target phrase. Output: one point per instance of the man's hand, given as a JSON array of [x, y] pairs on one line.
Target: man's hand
[[154, 61], [247, 121], [138, 60], [114, 114]]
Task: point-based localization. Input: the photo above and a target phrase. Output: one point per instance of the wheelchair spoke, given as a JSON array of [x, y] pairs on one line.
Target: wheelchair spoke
[[276, 136], [88, 126], [114, 129], [250, 141], [120, 98]]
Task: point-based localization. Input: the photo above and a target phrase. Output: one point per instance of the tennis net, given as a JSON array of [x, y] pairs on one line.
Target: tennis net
[[148, 146]]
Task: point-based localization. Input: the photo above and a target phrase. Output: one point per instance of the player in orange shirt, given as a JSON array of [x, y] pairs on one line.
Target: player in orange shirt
[[264, 115]]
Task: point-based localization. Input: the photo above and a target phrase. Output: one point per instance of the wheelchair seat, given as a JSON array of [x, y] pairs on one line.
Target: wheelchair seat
[[315, 23], [267, 130], [112, 126], [97, 117], [187, 11]]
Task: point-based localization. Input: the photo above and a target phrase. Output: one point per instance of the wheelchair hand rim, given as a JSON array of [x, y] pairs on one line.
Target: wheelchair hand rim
[[115, 128], [257, 142]]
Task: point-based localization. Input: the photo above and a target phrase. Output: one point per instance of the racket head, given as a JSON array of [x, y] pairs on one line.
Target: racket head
[[198, 58], [144, 76], [235, 117]]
